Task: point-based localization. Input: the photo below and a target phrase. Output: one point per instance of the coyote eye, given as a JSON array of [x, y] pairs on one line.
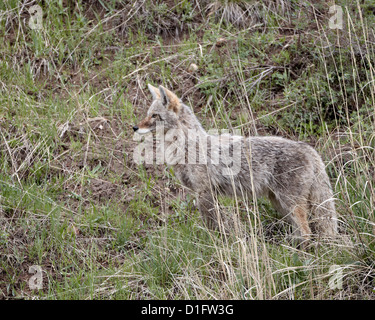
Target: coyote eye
[[157, 116]]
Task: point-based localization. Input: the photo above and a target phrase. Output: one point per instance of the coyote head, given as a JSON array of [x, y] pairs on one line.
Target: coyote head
[[165, 108]]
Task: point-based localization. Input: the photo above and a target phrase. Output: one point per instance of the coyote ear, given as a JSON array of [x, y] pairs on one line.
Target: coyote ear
[[169, 99], [164, 96], [154, 92]]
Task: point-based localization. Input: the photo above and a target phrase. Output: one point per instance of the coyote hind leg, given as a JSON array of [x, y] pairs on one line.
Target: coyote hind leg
[[300, 221], [297, 215]]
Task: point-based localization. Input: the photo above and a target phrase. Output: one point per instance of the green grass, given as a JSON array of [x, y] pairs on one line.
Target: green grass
[[73, 201]]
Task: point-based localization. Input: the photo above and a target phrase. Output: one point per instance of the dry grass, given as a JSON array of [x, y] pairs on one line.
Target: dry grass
[[73, 201]]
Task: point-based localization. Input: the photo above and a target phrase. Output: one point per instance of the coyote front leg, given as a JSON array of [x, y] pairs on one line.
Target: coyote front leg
[[206, 205]]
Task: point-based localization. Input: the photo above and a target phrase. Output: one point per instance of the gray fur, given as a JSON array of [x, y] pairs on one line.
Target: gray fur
[[291, 174]]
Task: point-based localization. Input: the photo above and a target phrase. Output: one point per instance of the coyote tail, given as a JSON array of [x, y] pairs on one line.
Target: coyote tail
[[324, 217]]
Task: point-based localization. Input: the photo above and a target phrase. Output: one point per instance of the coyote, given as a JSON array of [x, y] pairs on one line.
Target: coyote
[[291, 174]]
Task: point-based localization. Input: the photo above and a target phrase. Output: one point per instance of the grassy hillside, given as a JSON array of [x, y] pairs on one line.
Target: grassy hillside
[[74, 203]]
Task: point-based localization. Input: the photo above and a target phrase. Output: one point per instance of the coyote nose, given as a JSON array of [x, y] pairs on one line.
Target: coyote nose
[[135, 128]]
